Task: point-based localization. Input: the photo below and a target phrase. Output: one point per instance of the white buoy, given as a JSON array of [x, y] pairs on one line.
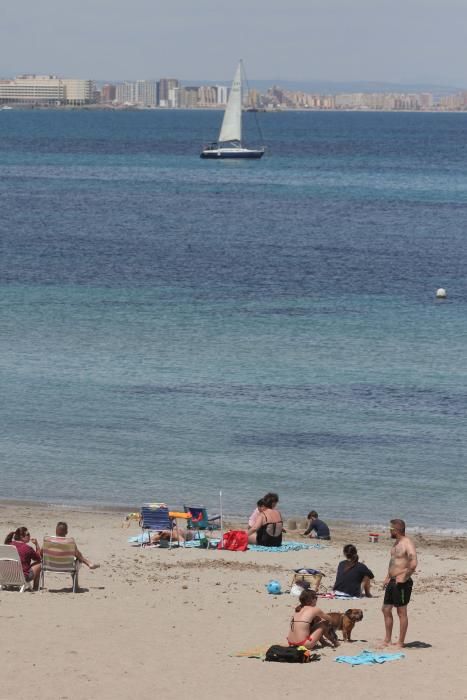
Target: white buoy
[[441, 293]]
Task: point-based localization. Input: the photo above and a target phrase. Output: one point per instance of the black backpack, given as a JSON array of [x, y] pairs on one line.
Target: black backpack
[[289, 655]]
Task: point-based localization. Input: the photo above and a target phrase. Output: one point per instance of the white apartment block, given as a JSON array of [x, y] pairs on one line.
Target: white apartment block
[[126, 93], [141, 92], [222, 94], [146, 93], [78, 92], [46, 89]]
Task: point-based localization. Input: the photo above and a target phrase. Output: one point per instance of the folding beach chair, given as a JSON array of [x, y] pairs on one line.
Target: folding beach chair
[[155, 518], [200, 520], [59, 557], [11, 570]]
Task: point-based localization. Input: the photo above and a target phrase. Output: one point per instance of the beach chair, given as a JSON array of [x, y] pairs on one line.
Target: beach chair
[[155, 518], [200, 520], [11, 569], [59, 557]]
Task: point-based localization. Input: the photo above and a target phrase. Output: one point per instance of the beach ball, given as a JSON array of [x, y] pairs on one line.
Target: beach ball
[[273, 587]]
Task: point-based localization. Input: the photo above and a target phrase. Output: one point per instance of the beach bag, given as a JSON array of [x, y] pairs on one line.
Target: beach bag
[[288, 655], [234, 540]]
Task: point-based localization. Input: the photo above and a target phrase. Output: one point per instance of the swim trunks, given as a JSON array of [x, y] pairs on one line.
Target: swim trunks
[[398, 594]]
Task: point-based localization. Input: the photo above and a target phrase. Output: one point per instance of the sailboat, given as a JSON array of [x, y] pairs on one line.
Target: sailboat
[[229, 144]]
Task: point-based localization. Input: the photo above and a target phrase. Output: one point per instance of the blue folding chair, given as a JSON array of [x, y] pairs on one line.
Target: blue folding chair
[[155, 519], [199, 518]]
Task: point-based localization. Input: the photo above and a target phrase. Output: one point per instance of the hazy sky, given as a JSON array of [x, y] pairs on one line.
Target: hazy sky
[[383, 40]]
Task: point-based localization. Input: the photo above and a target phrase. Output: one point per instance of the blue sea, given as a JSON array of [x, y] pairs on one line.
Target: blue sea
[[172, 327]]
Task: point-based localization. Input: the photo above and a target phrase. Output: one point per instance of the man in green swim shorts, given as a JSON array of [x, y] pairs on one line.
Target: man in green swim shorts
[[398, 583]]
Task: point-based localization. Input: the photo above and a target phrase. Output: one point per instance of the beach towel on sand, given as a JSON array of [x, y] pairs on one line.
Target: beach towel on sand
[[285, 547], [368, 657]]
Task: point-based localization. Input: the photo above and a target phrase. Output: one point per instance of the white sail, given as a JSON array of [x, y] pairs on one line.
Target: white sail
[[231, 129]]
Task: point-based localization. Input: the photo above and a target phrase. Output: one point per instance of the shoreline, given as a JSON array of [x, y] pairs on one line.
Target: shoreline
[[238, 520]]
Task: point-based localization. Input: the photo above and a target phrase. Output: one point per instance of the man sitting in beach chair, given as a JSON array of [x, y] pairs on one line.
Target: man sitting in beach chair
[[62, 531]]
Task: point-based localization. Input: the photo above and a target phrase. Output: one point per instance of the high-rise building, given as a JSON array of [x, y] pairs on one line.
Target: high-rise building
[[167, 92], [207, 96], [146, 93], [126, 93], [188, 96], [222, 94], [108, 93], [78, 92]]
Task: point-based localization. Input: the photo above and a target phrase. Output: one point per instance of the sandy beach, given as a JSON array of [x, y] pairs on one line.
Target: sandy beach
[[167, 622]]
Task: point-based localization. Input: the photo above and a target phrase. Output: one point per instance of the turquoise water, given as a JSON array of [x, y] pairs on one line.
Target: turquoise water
[[170, 327]]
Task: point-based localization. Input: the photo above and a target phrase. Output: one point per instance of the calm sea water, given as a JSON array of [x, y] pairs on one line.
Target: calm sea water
[[170, 327]]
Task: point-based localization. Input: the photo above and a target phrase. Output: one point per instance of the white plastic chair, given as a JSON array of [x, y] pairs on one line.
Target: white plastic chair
[[11, 570]]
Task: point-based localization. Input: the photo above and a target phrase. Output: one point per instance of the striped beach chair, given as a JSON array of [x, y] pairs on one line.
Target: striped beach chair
[[59, 557], [11, 569]]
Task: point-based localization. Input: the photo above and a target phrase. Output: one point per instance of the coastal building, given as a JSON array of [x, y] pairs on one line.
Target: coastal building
[[139, 92], [188, 97], [78, 92], [125, 93], [207, 96], [46, 90], [146, 93], [167, 92], [108, 93], [222, 94]]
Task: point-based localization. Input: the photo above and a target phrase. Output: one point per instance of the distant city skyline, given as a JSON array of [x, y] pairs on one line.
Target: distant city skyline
[[398, 41], [53, 91]]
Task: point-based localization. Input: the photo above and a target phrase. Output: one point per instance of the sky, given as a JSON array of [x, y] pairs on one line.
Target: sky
[[401, 41]]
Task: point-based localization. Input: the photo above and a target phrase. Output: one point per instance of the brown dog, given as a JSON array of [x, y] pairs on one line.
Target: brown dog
[[345, 621]]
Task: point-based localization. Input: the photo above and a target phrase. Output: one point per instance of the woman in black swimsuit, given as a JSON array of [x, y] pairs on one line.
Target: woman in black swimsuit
[[267, 529]]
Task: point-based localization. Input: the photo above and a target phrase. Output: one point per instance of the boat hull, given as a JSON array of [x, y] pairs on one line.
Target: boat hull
[[219, 153]]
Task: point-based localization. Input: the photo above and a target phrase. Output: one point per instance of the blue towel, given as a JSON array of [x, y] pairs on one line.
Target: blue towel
[[286, 547], [368, 657]]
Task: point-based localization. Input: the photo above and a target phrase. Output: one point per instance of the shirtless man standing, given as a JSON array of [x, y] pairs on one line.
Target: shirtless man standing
[[398, 583]]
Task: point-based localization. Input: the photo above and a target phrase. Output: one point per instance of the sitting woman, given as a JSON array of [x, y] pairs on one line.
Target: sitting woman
[[268, 526], [21, 539], [308, 623], [353, 577]]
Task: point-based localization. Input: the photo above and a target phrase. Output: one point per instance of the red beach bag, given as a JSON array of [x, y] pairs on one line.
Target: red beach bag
[[234, 540]]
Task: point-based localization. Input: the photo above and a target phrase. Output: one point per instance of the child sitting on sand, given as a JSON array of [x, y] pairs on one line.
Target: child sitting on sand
[[316, 527], [308, 623]]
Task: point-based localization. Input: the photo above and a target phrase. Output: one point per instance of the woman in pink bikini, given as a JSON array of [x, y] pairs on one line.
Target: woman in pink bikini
[[308, 623]]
